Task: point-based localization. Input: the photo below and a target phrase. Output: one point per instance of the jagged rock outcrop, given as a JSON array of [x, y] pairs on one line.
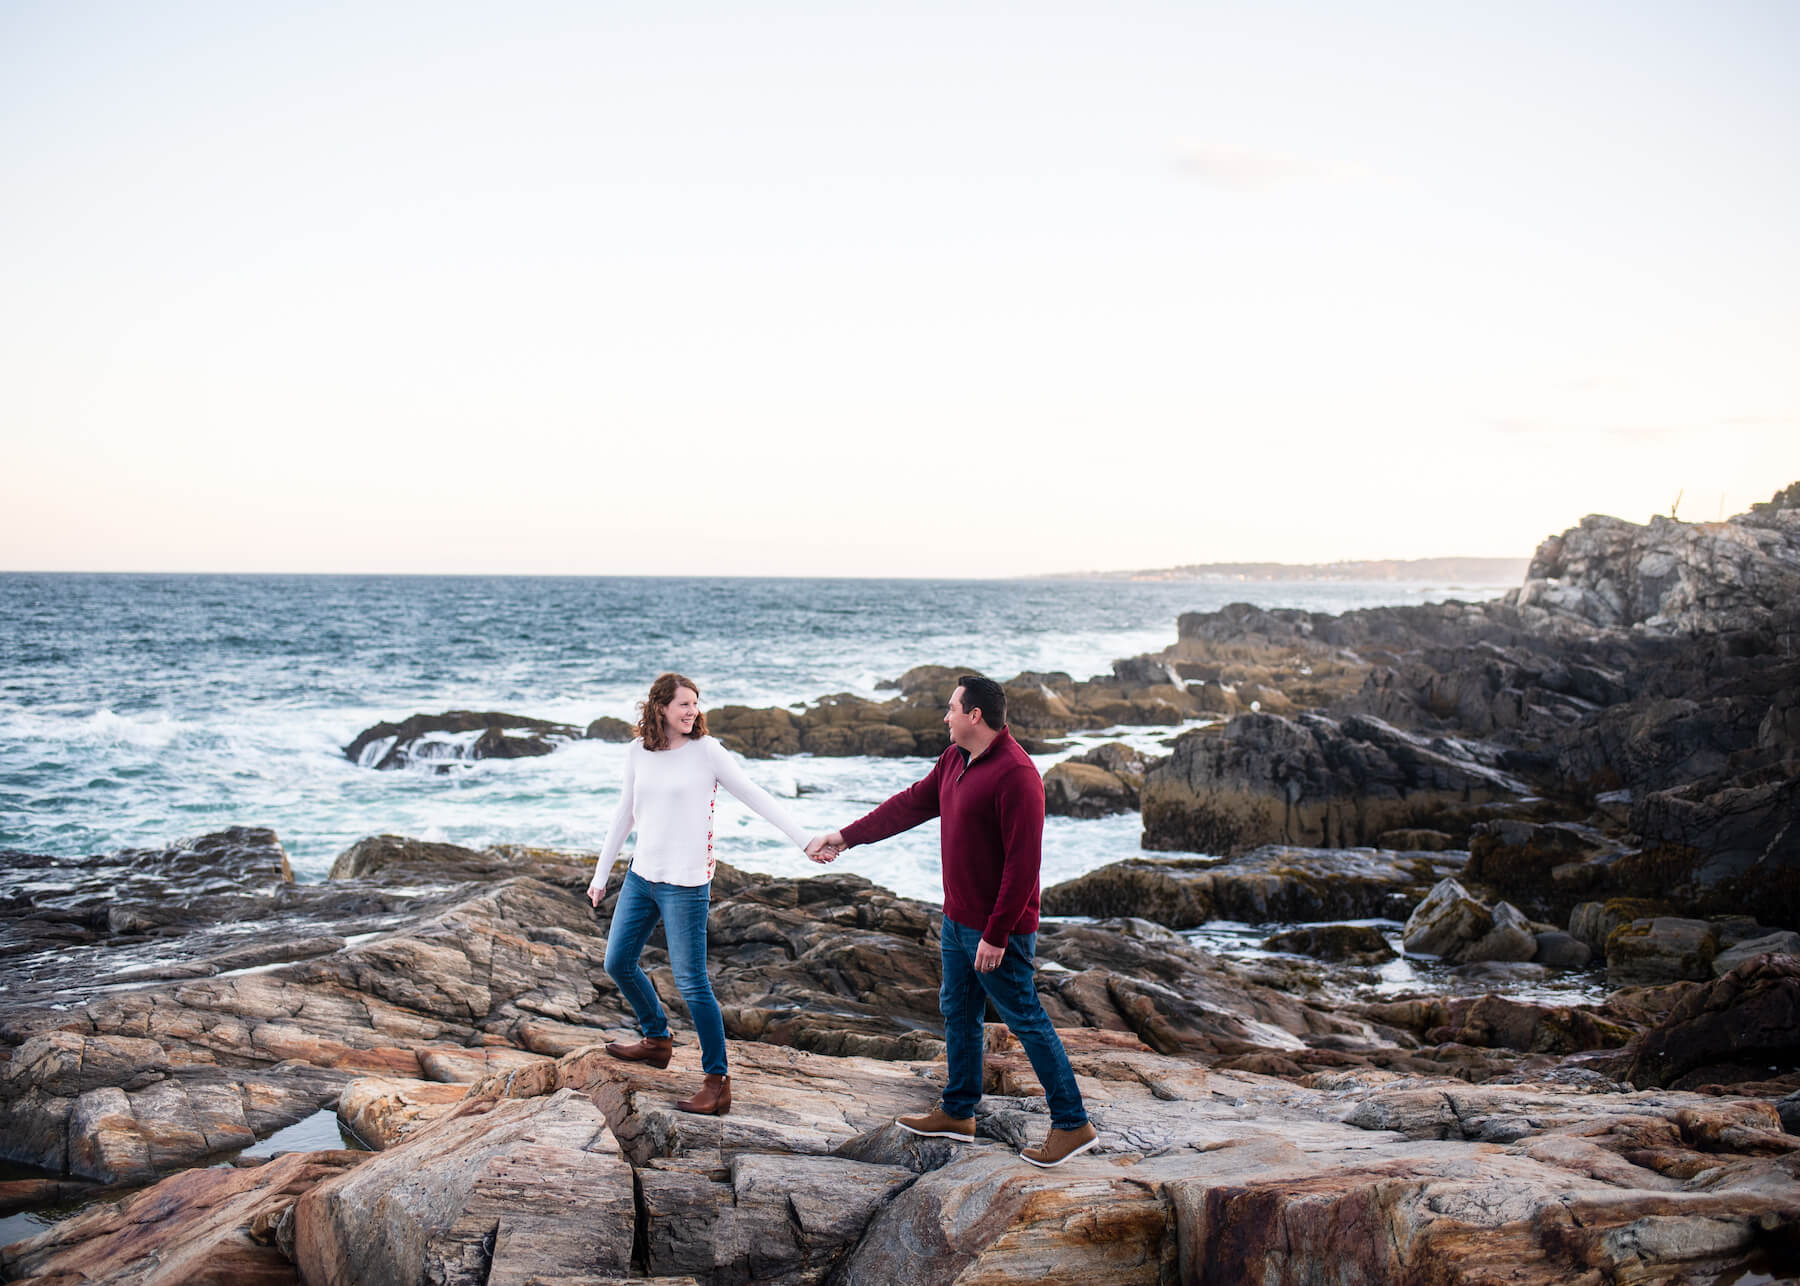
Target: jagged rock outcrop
[[1311, 780], [214, 904], [1666, 576], [1646, 680], [1275, 882], [124, 1083]]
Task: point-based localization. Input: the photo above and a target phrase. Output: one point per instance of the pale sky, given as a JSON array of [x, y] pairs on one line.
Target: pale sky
[[889, 289]]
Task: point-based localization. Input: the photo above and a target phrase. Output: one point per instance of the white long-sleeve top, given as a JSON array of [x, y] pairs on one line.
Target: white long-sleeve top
[[669, 797]]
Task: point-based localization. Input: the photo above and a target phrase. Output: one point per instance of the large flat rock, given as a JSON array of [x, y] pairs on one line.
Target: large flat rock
[[1201, 1175], [499, 1192]]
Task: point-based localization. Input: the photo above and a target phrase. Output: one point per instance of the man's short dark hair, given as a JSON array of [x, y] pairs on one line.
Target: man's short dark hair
[[983, 694]]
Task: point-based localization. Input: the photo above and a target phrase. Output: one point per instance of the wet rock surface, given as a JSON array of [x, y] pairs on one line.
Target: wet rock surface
[[1238, 1120], [218, 903], [1351, 943]]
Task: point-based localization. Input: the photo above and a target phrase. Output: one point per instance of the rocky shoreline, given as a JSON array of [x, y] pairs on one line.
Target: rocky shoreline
[[1598, 770], [1244, 1112]]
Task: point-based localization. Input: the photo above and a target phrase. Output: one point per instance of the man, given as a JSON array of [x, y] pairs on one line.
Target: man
[[991, 800]]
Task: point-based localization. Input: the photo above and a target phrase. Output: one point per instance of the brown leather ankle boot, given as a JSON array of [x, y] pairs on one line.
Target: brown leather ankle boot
[[714, 1098], [654, 1050]]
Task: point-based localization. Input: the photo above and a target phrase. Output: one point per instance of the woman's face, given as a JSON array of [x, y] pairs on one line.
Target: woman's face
[[680, 713]]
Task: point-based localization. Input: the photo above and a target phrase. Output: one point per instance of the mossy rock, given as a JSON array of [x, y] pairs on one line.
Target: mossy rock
[[1359, 944], [1664, 949]]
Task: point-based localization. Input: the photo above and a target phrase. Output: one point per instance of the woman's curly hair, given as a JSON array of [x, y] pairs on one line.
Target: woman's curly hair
[[650, 724]]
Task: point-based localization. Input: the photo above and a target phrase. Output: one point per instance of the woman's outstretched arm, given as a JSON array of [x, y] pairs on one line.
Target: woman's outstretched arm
[[730, 774]]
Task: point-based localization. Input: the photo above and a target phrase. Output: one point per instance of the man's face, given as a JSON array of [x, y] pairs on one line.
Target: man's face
[[961, 724]]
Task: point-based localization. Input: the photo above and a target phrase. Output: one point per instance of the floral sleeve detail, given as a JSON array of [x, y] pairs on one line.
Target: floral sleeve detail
[[712, 807]]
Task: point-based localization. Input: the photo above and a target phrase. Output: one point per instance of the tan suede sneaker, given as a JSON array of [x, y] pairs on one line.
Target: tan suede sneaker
[[1061, 1145], [939, 1124]]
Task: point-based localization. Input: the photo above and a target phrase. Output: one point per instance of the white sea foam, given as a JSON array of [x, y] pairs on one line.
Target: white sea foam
[[375, 751], [94, 729]]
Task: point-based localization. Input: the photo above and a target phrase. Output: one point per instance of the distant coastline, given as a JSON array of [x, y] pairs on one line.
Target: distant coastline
[[1453, 571]]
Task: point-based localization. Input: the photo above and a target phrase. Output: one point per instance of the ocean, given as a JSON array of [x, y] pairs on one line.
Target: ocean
[[136, 710]]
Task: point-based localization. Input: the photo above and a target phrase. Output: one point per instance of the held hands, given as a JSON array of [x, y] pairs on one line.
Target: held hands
[[825, 848]]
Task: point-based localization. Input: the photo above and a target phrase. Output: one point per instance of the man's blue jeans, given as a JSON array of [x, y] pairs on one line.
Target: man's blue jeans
[[963, 1004], [682, 909]]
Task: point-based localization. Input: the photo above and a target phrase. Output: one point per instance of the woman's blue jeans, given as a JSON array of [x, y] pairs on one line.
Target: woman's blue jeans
[[1014, 993], [682, 909]]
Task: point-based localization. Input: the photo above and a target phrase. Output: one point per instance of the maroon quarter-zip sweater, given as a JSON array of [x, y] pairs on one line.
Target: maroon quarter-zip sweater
[[993, 834]]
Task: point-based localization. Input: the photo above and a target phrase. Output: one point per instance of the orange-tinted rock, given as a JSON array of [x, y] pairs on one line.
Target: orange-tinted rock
[[207, 1227], [382, 1111]]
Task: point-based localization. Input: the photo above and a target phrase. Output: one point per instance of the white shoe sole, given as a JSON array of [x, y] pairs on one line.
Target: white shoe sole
[[937, 1134], [1051, 1165]]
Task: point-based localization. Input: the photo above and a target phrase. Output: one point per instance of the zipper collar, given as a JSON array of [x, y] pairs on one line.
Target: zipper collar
[[1004, 734]]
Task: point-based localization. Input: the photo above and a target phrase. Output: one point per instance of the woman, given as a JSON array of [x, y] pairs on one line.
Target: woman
[[672, 775]]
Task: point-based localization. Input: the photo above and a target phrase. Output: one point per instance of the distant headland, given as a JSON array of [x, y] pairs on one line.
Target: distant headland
[[1452, 571]]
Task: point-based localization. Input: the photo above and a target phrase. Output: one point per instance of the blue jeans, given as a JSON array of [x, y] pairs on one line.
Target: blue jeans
[[1010, 987], [682, 909]]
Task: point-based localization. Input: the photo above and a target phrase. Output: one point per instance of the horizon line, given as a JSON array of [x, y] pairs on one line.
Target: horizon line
[[1085, 574]]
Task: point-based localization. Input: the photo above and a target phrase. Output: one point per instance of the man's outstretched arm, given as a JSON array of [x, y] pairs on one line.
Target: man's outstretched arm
[[917, 803]]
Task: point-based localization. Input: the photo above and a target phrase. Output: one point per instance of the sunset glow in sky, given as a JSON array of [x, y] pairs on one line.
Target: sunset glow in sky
[[885, 290]]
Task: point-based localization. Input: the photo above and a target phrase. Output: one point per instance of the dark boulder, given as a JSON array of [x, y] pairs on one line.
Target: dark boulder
[[1748, 1020], [444, 739], [1075, 789], [1720, 847], [757, 733], [1497, 1022], [1559, 950], [1544, 868], [1358, 944], [402, 860], [1593, 922], [607, 728]]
